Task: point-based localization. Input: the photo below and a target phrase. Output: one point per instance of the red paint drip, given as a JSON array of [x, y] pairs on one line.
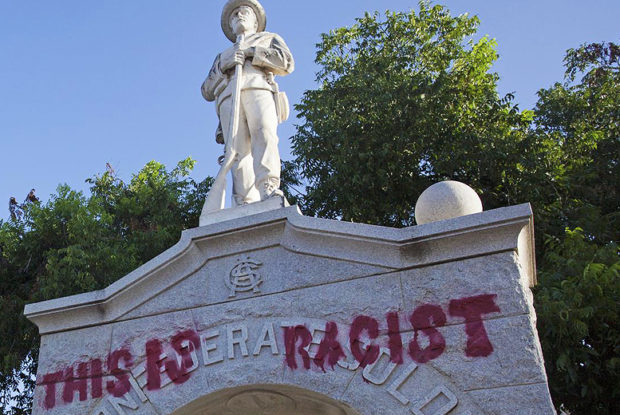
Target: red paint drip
[[121, 385], [50, 380], [425, 319], [291, 336], [472, 309], [153, 364], [96, 373], [371, 326], [180, 375], [73, 383], [395, 340], [329, 348]]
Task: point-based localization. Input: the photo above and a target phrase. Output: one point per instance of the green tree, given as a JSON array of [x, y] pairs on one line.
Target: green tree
[[406, 100], [579, 291], [578, 304], [579, 123], [76, 243]]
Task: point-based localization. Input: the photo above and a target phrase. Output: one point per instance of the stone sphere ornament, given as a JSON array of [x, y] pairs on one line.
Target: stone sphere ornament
[[446, 200]]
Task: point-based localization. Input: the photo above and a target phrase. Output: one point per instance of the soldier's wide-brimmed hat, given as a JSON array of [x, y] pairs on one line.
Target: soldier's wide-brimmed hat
[[231, 5]]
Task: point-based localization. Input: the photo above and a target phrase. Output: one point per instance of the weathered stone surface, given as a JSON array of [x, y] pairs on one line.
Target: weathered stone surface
[[515, 358], [408, 388], [76, 407], [338, 302], [59, 350], [225, 319], [134, 402], [280, 270], [498, 274], [255, 208], [507, 229], [529, 399]]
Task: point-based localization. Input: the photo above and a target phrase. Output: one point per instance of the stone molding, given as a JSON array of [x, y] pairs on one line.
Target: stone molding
[[499, 230]]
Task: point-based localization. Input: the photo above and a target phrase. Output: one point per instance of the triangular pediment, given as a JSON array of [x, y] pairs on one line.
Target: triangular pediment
[[294, 251], [254, 273]]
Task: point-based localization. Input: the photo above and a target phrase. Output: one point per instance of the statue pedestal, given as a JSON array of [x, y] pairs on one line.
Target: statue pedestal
[[273, 203], [279, 312]]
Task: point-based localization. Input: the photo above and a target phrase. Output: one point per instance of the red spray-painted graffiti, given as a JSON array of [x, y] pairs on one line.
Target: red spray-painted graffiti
[[90, 371], [427, 344], [425, 320], [178, 373], [472, 309]]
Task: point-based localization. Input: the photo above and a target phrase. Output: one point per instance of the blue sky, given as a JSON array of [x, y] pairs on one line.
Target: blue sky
[[85, 82]]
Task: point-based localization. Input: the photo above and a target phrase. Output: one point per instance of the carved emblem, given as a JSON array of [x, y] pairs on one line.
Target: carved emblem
[[243, 277]]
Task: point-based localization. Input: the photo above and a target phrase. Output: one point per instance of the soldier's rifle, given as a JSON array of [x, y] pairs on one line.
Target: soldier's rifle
[[216, 197]]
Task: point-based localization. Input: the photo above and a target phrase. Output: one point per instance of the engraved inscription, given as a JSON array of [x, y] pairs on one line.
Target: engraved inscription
[[377, 347]]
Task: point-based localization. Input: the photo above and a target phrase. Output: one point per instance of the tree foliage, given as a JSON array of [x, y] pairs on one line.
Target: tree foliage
[[578, 305], [405, 100], [76, 243], [579, 290], [408, 99], [579, 122]]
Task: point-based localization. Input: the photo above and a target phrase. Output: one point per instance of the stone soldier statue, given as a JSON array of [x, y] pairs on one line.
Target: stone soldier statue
[[248, 104]]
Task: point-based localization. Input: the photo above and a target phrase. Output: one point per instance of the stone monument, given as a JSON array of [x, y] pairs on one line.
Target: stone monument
[[249, 106], [263, 311], [278, 313]]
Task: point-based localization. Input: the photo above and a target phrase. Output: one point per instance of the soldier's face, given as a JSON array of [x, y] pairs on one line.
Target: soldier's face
[[243, 20]]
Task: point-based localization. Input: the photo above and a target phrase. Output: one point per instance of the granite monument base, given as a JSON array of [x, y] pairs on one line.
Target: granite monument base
[[277, 313]]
